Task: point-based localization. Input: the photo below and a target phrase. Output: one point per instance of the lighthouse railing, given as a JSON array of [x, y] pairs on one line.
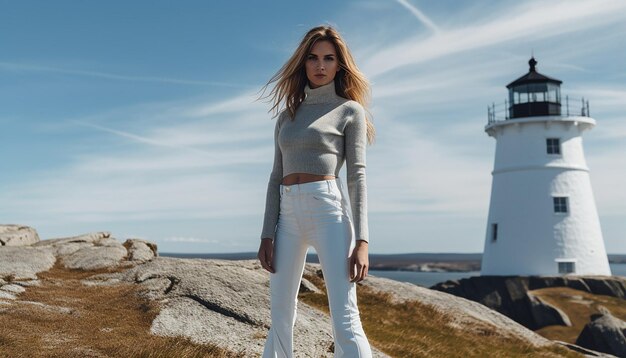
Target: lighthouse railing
[[573, 106]]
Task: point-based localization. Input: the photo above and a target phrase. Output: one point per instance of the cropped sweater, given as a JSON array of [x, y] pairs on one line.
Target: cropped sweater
[[326, 131]]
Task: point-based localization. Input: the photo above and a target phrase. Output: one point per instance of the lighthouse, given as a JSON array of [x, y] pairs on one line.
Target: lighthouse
[[542, 213]]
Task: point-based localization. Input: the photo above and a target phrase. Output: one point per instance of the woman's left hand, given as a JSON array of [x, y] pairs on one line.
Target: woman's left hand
[[359, 262]]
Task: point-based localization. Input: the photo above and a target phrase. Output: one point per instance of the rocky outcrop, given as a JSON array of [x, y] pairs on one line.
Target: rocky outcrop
[[614, 286], [585, 351], [17, 235], [85, 238], [99, 250], [95, 257], [605, 333], [463, 312], [509, 294], [212, 301], [544, 314], [140, 250], [308, 286], [224, 302], [20, 264]]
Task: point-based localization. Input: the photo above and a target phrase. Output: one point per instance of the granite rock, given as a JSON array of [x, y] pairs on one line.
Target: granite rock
[[510, 296], [544, 314], [222, 302], [17, 235], [140, 250], [605, 333], [464, 313], [19, 263]]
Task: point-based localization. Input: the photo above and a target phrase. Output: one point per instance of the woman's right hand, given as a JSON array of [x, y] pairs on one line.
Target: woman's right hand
[[266, 253]]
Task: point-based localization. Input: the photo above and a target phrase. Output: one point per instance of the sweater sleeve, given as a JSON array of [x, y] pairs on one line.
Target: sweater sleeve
[[272, 200], [355, 142]]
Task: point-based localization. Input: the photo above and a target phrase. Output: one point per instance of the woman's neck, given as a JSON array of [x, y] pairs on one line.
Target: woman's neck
[[322, 94]]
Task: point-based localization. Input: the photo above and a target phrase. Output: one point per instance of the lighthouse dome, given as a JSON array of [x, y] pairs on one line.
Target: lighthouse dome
[[534, 94]]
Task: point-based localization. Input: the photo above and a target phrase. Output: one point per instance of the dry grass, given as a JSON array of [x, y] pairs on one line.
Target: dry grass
[[417, 330], [104, 321], [579, 306]]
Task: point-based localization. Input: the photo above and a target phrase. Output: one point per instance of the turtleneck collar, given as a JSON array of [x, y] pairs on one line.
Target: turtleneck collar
[[321, 94]]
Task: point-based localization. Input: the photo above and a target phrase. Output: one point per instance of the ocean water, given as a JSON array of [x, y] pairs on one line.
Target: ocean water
[[428, 279]]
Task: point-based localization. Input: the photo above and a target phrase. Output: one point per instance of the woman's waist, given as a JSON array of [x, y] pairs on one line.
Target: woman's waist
[[302, 178], [303, 183]]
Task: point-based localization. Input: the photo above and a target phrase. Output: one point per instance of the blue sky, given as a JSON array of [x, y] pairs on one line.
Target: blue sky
[[141, 118]]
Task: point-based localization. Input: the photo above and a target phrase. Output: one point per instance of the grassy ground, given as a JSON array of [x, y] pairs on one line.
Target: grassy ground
[[106, 321], [417, 330], [579, 306]]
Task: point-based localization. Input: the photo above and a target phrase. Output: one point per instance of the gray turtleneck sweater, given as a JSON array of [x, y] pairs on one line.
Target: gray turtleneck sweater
[[326, 131]]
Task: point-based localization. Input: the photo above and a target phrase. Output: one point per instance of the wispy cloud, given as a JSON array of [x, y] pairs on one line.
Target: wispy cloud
[[247, 101], [192, 166], [422, 174], [534, 20], [607, 98], [10, 66], [607, 177], [141, 139], [420, 15]]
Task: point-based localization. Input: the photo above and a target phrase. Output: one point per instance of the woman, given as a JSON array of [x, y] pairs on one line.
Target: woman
[[323, 125]]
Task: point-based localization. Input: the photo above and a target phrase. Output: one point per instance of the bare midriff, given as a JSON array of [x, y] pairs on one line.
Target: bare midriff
[[299, 178]]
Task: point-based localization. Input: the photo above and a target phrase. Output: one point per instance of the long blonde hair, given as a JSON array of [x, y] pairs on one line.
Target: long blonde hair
[[291, 79]]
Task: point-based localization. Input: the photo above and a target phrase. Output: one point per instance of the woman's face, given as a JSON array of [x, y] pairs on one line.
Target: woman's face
[[321, 64]]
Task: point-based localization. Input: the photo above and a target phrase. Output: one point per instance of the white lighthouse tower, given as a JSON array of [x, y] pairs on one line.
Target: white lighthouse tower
[[542, 214]]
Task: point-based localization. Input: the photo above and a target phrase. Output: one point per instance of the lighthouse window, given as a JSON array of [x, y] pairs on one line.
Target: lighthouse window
[[567, 267], [553, 145], [494, 232], [560, 204]]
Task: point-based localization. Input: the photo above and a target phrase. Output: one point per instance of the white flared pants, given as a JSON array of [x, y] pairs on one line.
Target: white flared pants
[[314, 214]]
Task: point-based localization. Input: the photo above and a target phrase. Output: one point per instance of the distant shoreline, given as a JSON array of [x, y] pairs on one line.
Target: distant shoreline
[[414, 262]]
